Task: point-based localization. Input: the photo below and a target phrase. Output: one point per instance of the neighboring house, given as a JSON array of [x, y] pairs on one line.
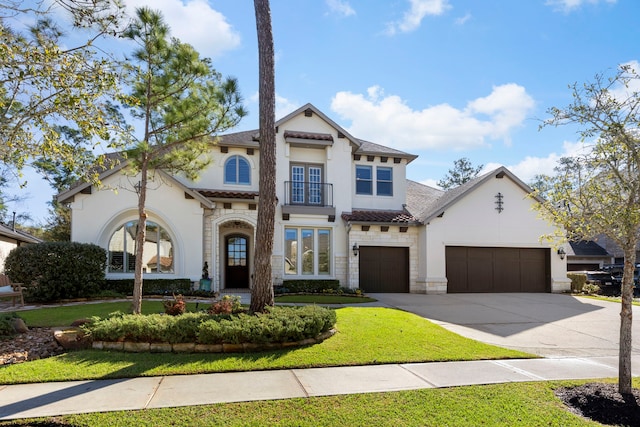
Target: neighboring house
[[11, 238], [587, 255], [345, 211]]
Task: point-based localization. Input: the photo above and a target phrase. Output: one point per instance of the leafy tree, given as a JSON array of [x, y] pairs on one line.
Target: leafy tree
[[598, 192], [540, 184], [60, 178], [182, 102], [44, 83], [462, 172], [262, 291]]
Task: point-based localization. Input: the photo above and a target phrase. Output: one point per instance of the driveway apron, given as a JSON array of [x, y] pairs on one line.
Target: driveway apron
[[549, 325]]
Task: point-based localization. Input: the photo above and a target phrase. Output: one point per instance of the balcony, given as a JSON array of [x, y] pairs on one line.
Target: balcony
[[311, 198]]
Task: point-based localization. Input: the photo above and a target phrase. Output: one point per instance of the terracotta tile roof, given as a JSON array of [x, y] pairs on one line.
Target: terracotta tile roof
[[400, 217], [219, 194], [308, 135]]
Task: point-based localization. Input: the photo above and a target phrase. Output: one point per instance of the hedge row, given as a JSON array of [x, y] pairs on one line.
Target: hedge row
[[307, 286], [149, 286], [277, 325]]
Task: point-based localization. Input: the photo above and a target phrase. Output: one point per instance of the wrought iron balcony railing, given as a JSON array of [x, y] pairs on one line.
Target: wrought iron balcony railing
[[305, 193]]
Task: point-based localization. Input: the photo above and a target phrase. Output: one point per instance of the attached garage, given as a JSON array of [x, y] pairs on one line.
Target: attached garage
[[384, 269], [477, 269]]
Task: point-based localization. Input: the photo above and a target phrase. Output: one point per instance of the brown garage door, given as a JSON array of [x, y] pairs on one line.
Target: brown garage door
[[472, 269], [384, 269]]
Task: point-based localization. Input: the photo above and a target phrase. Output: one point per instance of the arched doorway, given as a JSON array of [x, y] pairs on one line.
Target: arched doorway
[[236, 261]]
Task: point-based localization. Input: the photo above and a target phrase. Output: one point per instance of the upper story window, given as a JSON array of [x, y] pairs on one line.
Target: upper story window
[[158, 249], [384, 181], [237, 171], [364, 180]]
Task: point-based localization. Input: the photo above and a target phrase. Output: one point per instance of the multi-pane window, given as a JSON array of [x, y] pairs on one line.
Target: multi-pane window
[[307, 251], [157, 251], [237, 251], [364, 180], [306, 184], [237, 171], [384, 181]]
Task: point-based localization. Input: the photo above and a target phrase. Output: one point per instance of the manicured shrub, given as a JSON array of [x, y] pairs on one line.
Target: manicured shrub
[[578, 280], [53, 271], [150, 286], [6, 325], [307, 286], [277, 325]]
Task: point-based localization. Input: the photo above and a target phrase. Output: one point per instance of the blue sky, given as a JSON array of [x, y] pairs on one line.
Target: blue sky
[[442, 79]]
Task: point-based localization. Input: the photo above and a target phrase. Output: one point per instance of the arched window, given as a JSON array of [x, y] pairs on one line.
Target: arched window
[[158, 249], [237, 171]]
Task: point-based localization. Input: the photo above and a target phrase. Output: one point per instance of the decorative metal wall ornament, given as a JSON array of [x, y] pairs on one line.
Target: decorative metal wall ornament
[[499, 202]]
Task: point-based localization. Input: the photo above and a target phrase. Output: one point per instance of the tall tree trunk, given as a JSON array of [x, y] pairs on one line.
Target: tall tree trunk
[[262, 290], [136, 303], [626, 318]]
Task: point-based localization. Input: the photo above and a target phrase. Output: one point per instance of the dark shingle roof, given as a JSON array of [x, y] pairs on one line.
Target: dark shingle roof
[[371, 148], [588, 248], [420, 198], [18, 235], [247, 138], [385, 217]]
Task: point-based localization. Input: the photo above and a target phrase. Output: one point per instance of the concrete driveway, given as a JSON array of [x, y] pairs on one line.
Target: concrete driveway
[[549, 325]]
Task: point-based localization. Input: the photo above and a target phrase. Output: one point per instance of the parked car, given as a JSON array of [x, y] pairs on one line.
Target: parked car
[[600, 278], [603, 279]]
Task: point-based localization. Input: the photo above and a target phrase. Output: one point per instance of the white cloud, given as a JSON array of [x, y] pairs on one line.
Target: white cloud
[[463, 19], [388, 120], [194, 22], [340, 7], [414, 16], [284, 106], [571, 5], [530, 166]]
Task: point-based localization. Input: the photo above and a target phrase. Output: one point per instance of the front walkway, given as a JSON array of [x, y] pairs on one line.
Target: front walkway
[[73, 397]]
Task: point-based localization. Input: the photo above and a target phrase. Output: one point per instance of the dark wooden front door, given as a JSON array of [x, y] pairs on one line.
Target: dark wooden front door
[[384, 269], [237, 261], [471, 269]]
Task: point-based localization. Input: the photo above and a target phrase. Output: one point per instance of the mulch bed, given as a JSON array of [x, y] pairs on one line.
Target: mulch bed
[[601, 402]]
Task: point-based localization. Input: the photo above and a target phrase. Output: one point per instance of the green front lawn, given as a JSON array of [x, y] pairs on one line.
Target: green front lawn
[[515, 404], [65, 315], [365, 335]]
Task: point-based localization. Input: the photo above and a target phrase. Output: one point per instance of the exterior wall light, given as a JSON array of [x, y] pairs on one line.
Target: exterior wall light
[[561, 252], [356, 249]]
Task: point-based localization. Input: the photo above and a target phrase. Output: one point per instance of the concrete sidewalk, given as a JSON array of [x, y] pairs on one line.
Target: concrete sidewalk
[[60, 398]]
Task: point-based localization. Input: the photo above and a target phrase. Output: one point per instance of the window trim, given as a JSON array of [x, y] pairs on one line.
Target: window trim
[[299, 254], [236, 158], [378, 181], [370, 180]]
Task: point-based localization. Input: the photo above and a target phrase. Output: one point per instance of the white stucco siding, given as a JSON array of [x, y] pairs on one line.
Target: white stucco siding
[[5, 247], [98, 215], [474, 221]]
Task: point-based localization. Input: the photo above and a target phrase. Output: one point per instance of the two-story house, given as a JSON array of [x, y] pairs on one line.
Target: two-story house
[[345, 211]]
